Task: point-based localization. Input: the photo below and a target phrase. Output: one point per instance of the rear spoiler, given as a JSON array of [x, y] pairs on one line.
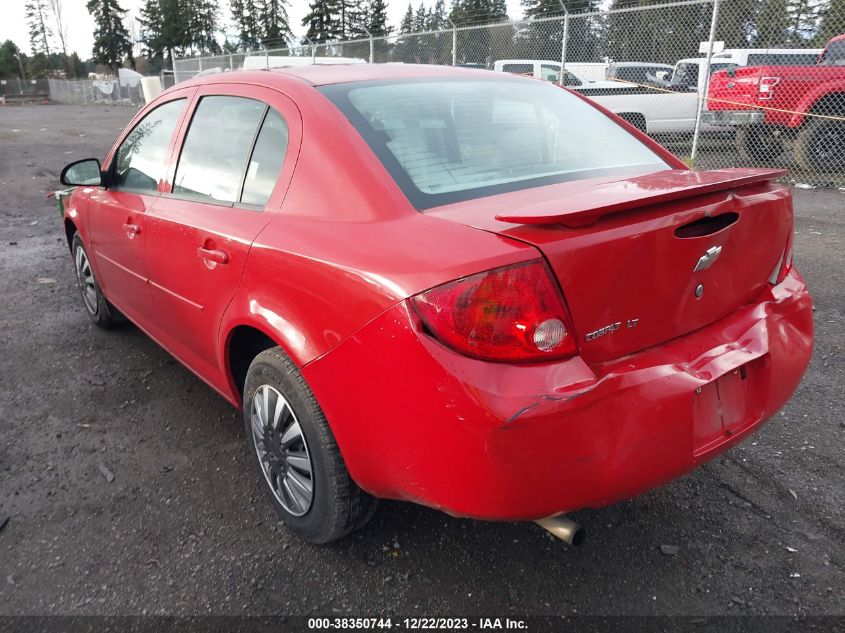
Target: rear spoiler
[[586, 207]]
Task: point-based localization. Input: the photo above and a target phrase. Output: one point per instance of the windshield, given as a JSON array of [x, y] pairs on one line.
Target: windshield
[[446, 141]]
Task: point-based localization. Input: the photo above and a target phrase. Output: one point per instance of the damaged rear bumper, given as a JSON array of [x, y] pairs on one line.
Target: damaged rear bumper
[[416, 421]]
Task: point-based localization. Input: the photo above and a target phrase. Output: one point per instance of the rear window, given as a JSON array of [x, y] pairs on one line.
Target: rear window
[[782, 59], [446, 141]]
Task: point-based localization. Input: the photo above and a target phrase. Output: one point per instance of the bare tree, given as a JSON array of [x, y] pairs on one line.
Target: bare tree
[[61, 29]]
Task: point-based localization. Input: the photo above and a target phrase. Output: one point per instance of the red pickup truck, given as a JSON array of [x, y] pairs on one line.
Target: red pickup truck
[[769, 106]]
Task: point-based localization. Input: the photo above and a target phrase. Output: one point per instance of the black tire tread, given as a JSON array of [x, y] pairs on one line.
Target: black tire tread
[[352, 507], [107, 316]]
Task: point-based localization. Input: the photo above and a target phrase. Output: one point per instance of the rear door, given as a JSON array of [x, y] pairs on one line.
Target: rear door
[[234, 161], [118, 214]]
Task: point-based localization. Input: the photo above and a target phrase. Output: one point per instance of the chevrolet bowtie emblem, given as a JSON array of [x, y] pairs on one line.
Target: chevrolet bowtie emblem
[[706, 260]]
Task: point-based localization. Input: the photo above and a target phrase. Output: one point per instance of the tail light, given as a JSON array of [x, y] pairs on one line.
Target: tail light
[[766, 87], [514, 313], [784, 264]]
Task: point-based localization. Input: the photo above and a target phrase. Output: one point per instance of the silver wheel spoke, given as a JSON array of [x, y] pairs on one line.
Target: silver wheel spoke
[[300, 482], [292, 434], [290, 494], [299, 461], [279, 407], [257, 427]]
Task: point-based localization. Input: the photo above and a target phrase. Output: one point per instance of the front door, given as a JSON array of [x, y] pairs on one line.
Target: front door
[[200, 232], [117, 214]]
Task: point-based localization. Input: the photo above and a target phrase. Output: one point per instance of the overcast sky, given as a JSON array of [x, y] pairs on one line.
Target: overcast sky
[[80, 25]]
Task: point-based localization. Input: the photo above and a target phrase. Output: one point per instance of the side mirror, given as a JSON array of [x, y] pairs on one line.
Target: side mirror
[[85, 172]]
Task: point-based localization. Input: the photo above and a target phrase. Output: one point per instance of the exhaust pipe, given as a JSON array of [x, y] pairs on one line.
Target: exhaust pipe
[[564, 528]]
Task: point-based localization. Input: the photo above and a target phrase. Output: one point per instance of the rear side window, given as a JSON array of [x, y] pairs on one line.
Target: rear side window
[[445, 141], [141, 158], [519, 69], [266, 160], [217, 147], [782, 59], [834, 54]]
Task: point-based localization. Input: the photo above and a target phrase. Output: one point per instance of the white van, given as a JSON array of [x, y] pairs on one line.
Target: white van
[[550, 71], [262, 62]]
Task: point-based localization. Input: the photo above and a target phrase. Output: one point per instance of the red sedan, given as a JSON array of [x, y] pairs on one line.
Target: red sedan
[[470, 290]]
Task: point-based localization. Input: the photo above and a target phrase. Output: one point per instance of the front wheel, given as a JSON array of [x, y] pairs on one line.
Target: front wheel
[[301, 468], [759, 144], [101, 312], [820, 145]]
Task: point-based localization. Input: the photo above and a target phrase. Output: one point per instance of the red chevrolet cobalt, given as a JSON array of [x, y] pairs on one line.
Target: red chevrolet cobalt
[[471, 290]]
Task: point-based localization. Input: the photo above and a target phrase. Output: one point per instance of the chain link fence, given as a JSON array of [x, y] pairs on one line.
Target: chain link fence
[[12, 90], [90, 91], [719, 82]]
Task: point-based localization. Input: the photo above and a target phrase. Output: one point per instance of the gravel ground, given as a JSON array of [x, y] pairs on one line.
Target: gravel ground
[[184, 529]]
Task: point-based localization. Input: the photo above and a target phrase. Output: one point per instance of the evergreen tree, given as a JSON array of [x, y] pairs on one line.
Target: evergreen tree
[[245, 16], [832, 21], [406, 49], [376, 18], [111, 39], [9, 56], [273, 23], [200, 21], [164, 35], [439, 21], [466, 12], [322, 21], [407, 23], [771, 23], [76, 67], [40, 32]]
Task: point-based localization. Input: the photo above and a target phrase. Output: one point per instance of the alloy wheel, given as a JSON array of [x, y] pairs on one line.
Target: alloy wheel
[[85, 279], [282, 450]]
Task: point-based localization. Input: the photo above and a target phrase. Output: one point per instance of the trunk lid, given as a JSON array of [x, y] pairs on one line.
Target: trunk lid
[[635, 250]]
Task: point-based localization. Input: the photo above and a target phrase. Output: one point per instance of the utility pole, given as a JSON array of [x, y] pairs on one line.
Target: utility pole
[[454, 42], [564, 40]]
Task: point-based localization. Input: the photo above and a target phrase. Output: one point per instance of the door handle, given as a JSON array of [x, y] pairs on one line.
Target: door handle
[[213, 255], [131, 229]]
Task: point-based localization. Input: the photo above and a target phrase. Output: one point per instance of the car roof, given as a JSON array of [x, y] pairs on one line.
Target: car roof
[[325, 74], [630, 64]]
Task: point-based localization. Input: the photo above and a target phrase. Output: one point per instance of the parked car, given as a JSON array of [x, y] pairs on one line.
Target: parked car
[[769, 106], [642, 73], [473, 291]]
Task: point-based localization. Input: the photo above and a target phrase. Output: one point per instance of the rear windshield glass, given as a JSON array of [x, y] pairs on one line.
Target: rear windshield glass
[[446, 141]]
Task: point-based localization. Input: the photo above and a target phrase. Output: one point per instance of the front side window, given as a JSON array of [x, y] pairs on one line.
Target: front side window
[[445, 141], [141, 159], [217, 147]]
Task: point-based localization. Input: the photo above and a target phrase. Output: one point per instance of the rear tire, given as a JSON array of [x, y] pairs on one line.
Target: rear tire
[[820, 145], [99, 310], [758, 144], [298, 460]]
